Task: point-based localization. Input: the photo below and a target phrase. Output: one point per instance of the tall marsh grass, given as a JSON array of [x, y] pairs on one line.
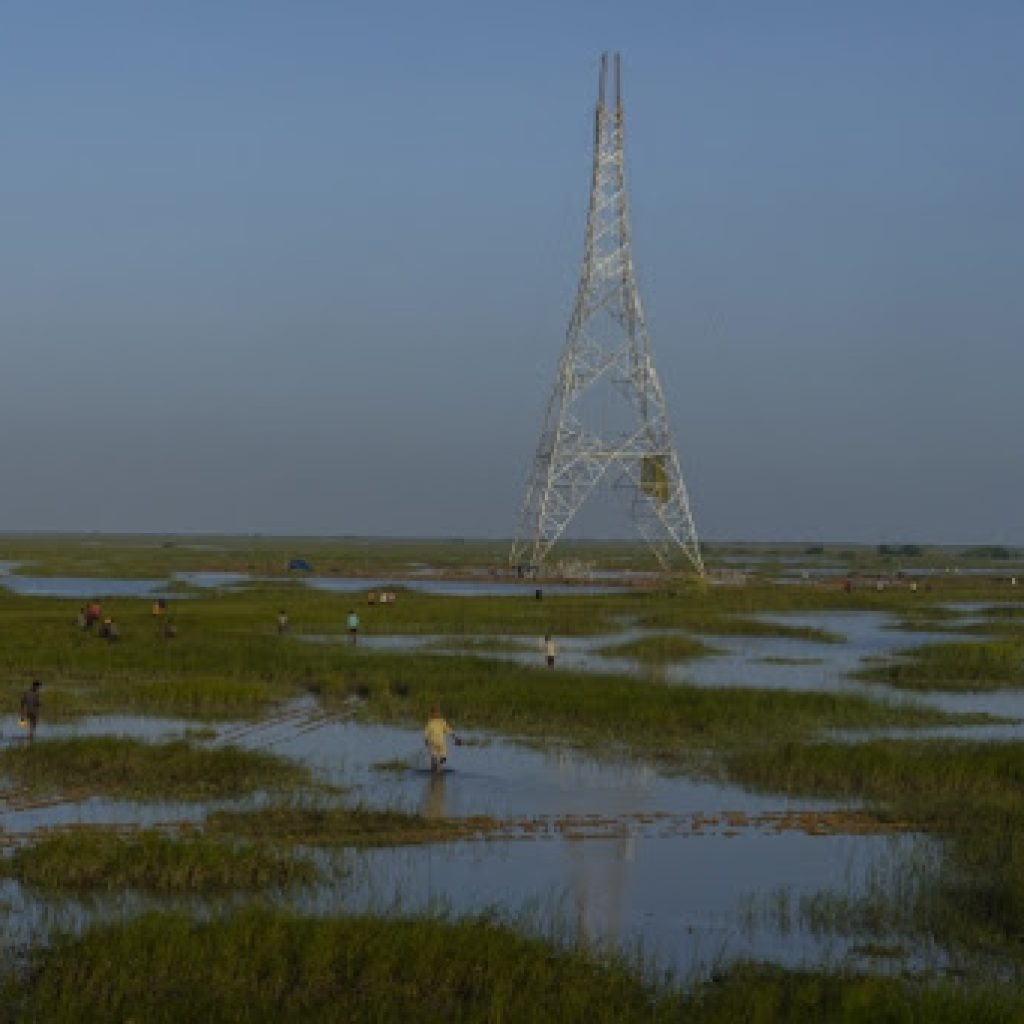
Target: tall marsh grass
[[127, 768], [104, 859], [969, 794], [663, 647], [259, 965], [262, 965], [344, 826], [963, 665], [643, 717]]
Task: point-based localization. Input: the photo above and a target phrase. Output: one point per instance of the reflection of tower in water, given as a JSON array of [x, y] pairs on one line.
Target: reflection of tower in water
[[600, 876], [600, 868], [434, 803]]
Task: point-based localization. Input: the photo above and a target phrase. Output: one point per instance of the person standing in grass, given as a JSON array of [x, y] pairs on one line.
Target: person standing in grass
[[93, 614], [353, 626], [282, 621], [435, 736], [550, 650], [30, 708]]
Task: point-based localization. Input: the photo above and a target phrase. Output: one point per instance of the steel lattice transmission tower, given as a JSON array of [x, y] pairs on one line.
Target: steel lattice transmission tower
[[606, 415]]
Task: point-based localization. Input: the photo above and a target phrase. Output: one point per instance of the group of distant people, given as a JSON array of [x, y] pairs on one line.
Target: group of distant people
[[90, 617], [437, 729], [165, 624], [352, 624], [548, 644]]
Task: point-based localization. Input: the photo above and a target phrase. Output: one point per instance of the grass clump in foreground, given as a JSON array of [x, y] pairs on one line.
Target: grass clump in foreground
[[989, 665], [96, 858], [970, 794], [127, 768], [774, 995], [257, 964], [345, 826], [942, 783], [260, 965]]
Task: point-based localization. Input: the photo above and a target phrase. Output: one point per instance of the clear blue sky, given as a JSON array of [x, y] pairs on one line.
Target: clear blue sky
[[307, 267]]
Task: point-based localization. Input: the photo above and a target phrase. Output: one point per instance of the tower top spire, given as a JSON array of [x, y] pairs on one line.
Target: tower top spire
[[602, 80]]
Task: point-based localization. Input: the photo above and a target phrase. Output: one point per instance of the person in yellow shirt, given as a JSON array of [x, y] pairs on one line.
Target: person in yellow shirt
[[435, 736]]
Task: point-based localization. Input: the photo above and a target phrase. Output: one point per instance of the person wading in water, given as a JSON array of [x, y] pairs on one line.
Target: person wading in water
[[30, 708], [435, 735]]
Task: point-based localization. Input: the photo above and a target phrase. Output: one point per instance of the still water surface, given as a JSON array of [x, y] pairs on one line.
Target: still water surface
[[624, 854]]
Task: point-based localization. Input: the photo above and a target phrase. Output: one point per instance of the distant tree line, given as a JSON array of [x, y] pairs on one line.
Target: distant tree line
[[903, 550], [992, 551]]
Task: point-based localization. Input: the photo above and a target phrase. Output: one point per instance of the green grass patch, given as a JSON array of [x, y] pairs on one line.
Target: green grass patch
[[724, 621], [971, 794], [666, 723], [257, 964], [925, 618], [126, 768], [941, 783], [761, 994], [344, 826], [1006, 612], [880, 951], [209, 699], [396, 765], [768, 628], [228, 661], [664, 647], [963, 665], [102, 859]]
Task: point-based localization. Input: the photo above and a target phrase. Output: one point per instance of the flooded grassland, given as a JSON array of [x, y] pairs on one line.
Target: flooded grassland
[[819, 780]]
